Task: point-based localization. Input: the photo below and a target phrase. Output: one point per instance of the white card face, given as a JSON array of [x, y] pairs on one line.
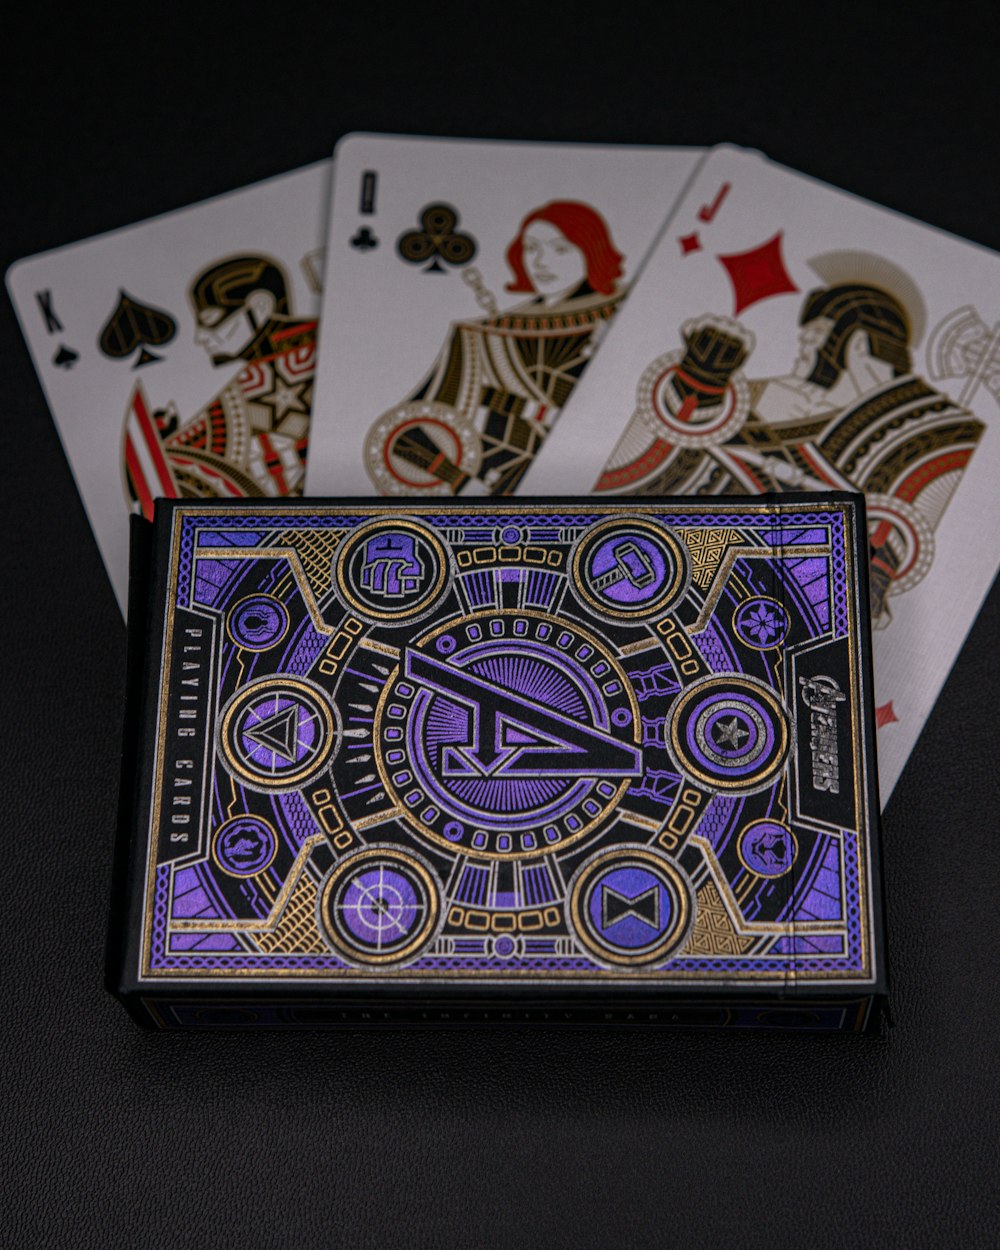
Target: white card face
[[469, 284], [177, 355], [787, 336]]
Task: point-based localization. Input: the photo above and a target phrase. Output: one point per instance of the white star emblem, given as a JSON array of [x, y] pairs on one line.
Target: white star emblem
[[284, 399], [732, 734]]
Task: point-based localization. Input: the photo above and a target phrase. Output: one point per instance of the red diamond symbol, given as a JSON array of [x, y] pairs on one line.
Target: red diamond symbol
[[885, 715], [757, 274], [690, 243]]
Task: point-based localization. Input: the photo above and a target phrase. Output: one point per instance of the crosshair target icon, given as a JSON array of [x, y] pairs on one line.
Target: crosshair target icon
[[379, 906]]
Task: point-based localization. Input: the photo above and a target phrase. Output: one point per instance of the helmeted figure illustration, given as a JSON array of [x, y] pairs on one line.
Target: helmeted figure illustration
[[480, 416], [251, 438], [850, 415]]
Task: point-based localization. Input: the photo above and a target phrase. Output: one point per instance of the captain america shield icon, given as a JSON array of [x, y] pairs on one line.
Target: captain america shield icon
[[730, 732]]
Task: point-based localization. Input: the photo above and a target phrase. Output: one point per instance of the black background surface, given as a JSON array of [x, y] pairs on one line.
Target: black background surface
[[111, 1137]]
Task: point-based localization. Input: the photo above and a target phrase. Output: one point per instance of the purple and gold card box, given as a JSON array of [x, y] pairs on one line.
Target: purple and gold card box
[[475, 761]]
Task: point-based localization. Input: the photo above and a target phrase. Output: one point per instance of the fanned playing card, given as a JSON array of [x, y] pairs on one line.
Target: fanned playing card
[[470, 284], [788, 336], [177, 355]]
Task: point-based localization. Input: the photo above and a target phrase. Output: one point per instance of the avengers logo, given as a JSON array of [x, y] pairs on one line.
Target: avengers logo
[[507, 734]]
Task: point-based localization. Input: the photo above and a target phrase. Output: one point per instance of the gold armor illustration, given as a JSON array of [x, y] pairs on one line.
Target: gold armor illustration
[[850, 415]]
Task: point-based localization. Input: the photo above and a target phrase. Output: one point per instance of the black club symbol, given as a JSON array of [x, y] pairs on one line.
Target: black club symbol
[[437, 239], [364, 240]]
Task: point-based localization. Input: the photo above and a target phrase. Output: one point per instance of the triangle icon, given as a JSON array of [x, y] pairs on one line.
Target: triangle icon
[[279, 733]]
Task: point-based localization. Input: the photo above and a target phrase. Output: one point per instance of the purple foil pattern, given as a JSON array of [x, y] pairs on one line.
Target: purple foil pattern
[[560, 742]]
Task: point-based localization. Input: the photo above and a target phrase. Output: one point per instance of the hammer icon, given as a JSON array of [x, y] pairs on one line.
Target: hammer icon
[[632, 565]]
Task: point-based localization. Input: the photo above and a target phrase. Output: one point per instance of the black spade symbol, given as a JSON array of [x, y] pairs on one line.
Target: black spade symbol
[[134, 325], [65, 357]]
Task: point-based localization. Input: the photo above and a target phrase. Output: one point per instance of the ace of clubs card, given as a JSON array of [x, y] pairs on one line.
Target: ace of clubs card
[[177, 355], [469, 284], [788, 336]]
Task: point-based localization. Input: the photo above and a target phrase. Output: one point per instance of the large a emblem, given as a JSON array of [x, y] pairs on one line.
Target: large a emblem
[[508, 734]]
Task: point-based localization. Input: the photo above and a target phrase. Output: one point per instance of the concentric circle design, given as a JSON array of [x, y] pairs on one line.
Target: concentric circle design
[[761, 622], [630, 905], [730, 732], [896, 525], [278, 731], [507, 734], [767, 848], [421, 448], [380, 906], [630, 568], [668, 412], [244, 845], [392, 570], [257, 622]]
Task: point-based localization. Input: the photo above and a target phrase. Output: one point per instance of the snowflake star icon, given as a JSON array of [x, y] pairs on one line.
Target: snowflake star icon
[[763, 622]]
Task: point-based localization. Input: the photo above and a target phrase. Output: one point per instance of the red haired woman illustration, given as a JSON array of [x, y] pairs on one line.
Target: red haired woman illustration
[[561, 246], [479, 418]]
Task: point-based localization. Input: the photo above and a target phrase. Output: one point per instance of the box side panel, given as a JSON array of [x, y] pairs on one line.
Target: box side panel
[[147, 591], [847, 1015], [879, 937], [140, 548]]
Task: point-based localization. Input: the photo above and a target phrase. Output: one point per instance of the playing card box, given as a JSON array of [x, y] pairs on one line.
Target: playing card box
[[468, 761]]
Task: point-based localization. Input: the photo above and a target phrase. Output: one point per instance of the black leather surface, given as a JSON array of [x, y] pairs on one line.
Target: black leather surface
[[112, 1137]]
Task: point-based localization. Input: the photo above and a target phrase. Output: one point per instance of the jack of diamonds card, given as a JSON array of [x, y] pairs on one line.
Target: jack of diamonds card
[[787, 336], [177, 355], [469, 285]]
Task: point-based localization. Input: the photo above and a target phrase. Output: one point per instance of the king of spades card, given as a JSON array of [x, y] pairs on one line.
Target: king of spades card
[[177, 354]]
